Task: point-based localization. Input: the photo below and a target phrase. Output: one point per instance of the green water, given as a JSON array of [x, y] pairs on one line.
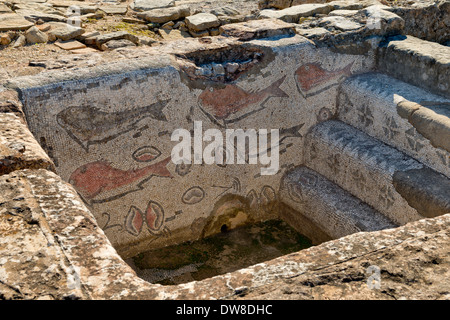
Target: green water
[[218, 254]]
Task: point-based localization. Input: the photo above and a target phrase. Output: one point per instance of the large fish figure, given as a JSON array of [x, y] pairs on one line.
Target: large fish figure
[[92, 180], [88, 125], [312, 75], [221, 103]]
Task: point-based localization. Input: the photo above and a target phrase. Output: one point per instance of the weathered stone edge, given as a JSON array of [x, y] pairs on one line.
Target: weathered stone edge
[[433, 126], [17, 153], [104, 70], [101, 271], [10, 103]]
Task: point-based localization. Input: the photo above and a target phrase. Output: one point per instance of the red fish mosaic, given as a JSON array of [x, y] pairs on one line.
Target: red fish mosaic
[[221, 103], [95, 178], [312, 75]]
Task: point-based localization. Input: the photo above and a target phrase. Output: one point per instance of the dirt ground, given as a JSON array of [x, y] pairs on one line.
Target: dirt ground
[[28, 60], [21, 61]]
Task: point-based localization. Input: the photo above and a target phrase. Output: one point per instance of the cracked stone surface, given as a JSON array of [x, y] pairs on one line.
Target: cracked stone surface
[[409, 269], [18, 148], [51, 246], [202, 21]]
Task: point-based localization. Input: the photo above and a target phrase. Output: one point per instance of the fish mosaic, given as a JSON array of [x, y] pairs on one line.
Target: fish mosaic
[[153, 217], [94, 179], [265, 200], [88, 125], [233, 103], [312, 77]]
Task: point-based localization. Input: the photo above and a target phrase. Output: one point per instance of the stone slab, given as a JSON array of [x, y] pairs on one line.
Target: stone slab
[[335, 271], [312, 33], [257, 29], [64, 32], [342, 13], [4, 8], [51, 246], [202, 21], [352, 4], [70, 45], [101, 39], [116, 44], [34, 35], [171, 35], [340, 23], [293, 14], [38, 15], [145, 5], [10, 103], [85, 7], [166, 14], [112, 10], [381, 21], [84, 51], [14, 21]]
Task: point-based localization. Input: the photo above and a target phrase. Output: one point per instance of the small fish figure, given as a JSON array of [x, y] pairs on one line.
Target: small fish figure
[[221, 103], [94, 178], [88, 125], [312, 75], [153, 217]]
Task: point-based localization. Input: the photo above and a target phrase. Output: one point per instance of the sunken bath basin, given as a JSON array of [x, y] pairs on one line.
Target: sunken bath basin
[[107, 129]]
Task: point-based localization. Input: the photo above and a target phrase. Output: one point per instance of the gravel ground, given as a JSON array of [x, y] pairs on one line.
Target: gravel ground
[[16, 62]]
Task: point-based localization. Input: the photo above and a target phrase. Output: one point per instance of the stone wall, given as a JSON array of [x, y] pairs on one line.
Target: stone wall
[[429, 20]]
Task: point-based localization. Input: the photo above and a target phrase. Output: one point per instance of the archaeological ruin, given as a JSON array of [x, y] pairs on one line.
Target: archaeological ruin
[[351, 180]]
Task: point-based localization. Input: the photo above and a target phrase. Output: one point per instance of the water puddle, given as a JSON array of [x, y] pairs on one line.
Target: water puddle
[[218, 254]]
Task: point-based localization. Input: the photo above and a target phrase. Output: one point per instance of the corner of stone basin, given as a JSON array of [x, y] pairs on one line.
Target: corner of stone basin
[[432, 124]]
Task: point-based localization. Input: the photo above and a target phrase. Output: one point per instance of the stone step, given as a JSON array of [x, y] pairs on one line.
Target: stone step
[[386, 108], [422, 63], [330, 208], [383, 177]]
